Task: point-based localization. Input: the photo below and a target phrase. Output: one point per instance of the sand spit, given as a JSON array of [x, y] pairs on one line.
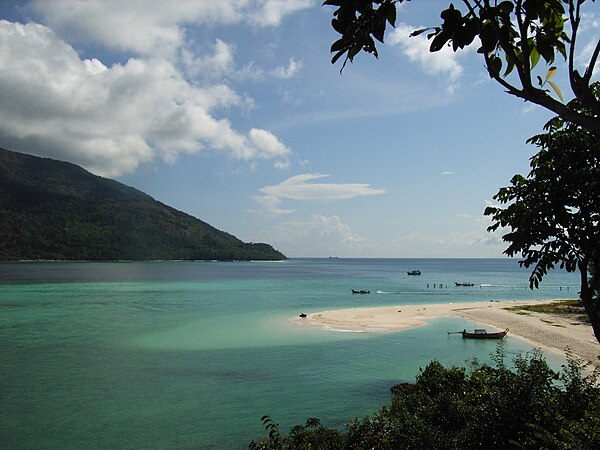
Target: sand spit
[[547, 331]]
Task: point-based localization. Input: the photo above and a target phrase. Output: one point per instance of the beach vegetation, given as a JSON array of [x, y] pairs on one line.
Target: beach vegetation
[[553, 214], [567, 308], [528, 405], [513, 37]]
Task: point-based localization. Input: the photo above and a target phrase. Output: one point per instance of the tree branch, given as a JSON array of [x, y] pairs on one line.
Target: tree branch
[[525, 74], [574, 19]]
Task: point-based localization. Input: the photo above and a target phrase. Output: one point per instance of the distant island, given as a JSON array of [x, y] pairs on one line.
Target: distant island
[[54, 210]]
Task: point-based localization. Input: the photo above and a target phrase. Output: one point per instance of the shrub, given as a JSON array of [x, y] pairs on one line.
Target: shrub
[[485, 406]]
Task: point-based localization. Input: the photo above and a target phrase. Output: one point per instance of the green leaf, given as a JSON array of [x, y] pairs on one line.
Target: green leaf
[[546, 49], [495, 66], [389, 10], [506, 7], [439, 41], [556, 89], [379, 30], [353, 52], [488, 39], [338, 26], [534, 57], [337, 56], [540, 81], [338, 45], [509, 68], [418, 32]]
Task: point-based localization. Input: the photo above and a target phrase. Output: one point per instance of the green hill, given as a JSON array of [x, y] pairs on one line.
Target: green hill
[[53, 210]]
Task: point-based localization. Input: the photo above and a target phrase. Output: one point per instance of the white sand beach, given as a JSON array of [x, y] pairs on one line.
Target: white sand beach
[[547, 331]]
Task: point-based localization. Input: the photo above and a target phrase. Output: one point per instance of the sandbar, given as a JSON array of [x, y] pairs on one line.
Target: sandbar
[[547, 331]]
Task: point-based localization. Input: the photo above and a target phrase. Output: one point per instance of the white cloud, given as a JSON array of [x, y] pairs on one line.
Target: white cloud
[[474, 243], [490, 203], [287, 72], [219, 63], [249, 72], [471, 240], [444, 62], [299, 188], [585, 56], [156, 27], [270, 204], [166, 99], [110, 120], [272, 12], [267, 145], [318, 236], [328, 236]]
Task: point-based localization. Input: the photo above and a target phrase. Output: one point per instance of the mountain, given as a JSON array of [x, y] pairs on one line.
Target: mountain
[[53, 210]]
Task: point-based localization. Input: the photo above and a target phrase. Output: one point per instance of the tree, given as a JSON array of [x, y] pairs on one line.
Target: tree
[[554, 213], [554, 216], [514, 35], [452, 408]]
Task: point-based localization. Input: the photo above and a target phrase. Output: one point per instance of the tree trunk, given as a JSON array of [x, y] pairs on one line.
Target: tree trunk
[[592, 309], [590, 302]]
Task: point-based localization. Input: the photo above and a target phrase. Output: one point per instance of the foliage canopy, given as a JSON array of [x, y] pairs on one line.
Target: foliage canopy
[[52, 210], [530, 406], [553, 214], [513, 36]]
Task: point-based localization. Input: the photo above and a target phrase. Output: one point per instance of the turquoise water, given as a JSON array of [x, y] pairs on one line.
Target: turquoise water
[[192, 354]]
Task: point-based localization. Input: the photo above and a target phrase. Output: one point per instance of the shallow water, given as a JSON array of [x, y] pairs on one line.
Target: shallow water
[[191, 355]]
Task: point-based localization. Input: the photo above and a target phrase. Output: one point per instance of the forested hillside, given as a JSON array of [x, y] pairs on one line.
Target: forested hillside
[[53, 210]]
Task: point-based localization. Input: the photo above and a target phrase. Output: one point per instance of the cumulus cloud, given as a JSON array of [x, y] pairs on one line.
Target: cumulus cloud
[[111, 119], [219, 62], [327, 235], [167, 96], [299, 188], [475, 243], [472, 240], [272, 12], [444, 62], [158, 27], [287, 72]]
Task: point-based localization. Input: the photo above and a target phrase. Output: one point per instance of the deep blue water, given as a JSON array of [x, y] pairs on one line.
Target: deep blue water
[[192, 354]]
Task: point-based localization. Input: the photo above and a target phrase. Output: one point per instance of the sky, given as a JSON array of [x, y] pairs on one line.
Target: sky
[[231, 111]]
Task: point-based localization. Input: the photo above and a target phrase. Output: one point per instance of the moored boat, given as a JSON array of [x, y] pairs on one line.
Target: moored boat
[[483, 334]]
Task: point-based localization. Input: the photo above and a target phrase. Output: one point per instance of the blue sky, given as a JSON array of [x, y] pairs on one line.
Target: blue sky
[[230, 111]]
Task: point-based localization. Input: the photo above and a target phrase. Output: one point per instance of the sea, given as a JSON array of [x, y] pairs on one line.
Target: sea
[[191, 355]]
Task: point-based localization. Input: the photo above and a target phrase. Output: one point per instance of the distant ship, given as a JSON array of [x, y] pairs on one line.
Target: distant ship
[[414, 272]]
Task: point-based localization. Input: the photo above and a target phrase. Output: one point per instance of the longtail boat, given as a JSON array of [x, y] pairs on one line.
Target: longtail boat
[[483, 334]]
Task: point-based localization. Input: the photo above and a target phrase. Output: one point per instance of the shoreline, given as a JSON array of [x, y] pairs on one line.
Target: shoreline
[[550, 332]]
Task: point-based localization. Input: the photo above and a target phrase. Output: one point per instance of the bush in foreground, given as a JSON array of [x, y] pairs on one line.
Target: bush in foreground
[[528, 406]]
